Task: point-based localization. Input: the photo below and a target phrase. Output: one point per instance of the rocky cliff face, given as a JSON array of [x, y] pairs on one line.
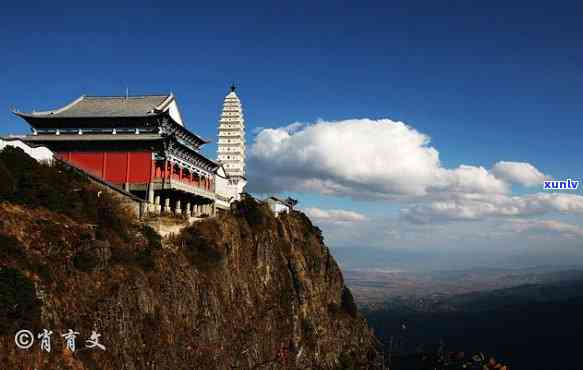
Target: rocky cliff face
[[245, 290]]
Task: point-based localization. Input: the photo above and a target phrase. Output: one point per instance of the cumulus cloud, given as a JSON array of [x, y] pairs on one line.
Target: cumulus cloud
[[334, 215], [482, 206], [519, 172], [360, 158], [388, 160]]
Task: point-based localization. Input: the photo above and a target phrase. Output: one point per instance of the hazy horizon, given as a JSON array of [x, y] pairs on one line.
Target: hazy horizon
[[403, 260]]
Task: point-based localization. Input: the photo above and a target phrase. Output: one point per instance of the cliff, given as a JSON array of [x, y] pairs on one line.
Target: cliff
[[245, 290]]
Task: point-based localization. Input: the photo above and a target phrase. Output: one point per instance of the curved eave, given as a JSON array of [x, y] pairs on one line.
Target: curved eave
[[162, 106], [47, 113], [197, 138], [229, 177], [208, 161]]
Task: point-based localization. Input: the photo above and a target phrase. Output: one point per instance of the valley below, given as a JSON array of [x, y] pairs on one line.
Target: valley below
[[527, 318]]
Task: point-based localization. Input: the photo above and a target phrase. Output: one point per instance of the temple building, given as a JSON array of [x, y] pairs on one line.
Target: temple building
[[137, 143], [231, 145]]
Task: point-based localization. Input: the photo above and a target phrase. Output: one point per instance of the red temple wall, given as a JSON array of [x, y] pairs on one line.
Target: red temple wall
[[116, 168], [113, 166]]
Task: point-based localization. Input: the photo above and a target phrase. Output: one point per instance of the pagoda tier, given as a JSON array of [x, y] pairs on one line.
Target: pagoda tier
[[136, 143], [231, 138]]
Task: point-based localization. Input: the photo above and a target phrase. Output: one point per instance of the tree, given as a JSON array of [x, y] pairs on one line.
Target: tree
[[292, 202]]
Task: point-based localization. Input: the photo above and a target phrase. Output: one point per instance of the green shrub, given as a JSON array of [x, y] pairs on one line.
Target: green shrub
[[257, 215], [85, 261], [348, 304], [40, 268], [13, 253], [19, 307], [145, 258], [154, 239], [11, 249], [18, 162], [112, 216], [346, 362], [202, 252], [123, 254], [8, 184]]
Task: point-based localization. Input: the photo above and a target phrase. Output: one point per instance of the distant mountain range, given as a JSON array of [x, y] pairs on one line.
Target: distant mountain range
[[536, 325], [376, 286]]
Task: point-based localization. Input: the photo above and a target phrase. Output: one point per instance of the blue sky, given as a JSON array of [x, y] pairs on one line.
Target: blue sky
[[486, 82]]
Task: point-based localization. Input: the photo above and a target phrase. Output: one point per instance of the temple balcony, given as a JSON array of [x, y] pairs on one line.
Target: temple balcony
[[184, 186], [176, 178]]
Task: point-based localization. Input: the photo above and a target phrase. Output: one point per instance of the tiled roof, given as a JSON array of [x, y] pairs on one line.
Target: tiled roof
[[107, 106]]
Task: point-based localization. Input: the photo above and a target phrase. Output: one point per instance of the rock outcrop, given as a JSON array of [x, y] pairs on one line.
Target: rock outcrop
[[244, 290]]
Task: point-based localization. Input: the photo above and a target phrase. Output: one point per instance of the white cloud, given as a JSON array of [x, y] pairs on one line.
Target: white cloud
[[257, 130], [481, 206], [334, 215], [360, 158], [519, 172], [470, 179], [387, 160]]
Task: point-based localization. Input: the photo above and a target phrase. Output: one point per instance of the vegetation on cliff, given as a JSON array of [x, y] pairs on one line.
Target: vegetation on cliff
[[240, 291]]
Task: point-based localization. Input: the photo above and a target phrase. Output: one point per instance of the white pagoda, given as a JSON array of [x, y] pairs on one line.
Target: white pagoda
[[231, 148]]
